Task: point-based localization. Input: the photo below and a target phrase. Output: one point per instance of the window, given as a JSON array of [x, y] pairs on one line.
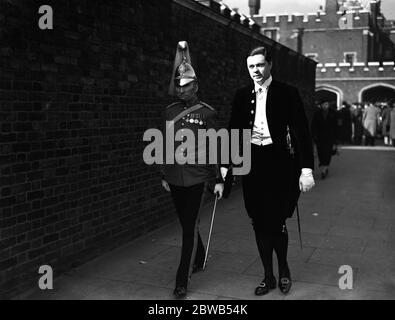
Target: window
[[271, 33], [350, 57], [313, 56]]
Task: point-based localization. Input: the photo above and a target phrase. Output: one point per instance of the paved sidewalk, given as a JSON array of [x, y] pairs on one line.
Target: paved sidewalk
[[348, 219]]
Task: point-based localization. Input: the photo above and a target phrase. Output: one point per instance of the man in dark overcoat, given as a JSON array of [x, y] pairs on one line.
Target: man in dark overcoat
[[323, 129]]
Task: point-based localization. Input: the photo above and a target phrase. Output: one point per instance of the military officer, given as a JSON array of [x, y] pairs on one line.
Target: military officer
[[187, 180]]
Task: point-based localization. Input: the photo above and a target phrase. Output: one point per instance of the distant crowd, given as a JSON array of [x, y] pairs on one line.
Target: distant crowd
[[363, 123]]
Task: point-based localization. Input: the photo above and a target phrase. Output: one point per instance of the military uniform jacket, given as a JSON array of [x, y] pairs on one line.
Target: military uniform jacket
[[201, 170]]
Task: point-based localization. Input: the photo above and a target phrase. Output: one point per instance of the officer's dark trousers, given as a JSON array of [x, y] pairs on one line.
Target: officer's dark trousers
[[187, 201]]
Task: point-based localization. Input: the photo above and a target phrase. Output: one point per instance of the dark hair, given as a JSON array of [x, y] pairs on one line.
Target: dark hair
[[263, 51]]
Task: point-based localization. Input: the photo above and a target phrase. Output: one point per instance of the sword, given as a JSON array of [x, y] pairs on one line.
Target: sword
[[211, 229]]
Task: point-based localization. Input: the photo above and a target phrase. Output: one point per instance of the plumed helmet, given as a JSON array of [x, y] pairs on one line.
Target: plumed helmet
[[183, 72]]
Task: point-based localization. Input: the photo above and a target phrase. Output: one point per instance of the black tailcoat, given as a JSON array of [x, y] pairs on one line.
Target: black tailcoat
[[284, 108]]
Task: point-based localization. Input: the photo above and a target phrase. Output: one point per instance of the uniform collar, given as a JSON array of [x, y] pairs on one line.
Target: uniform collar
[[192, 102], [264, 85]]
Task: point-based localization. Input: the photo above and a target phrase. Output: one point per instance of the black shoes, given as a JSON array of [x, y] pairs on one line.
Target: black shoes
[[284, 279], [265, 286], [269, 283], [285, 283], [180, 292]]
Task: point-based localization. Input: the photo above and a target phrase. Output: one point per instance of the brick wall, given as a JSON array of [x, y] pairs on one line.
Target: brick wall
[[339, 42], [321, 28], [74, 104]]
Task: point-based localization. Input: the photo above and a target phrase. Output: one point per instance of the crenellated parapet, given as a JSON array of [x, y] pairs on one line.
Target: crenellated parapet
[[285, 21], [356, 70], [229, 13], [350, 19]]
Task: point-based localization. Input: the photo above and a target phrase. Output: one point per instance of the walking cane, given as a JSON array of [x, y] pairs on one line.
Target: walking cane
[[300, 235], [211, 229]]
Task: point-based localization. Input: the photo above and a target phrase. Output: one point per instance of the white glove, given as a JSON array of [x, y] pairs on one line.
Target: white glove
[[306, 180], [165, 185], [224, 172], [219, 187]]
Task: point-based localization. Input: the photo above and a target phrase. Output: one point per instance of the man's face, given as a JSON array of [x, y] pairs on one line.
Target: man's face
[[325, 105], [187, 92], [259, 68]]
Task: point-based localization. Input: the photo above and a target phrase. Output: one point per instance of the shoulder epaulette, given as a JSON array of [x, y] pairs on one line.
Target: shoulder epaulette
[[208, 106], [173, 105]]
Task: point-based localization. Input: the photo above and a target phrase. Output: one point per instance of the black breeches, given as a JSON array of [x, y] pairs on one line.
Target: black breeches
[[187, 201], [267, 197]]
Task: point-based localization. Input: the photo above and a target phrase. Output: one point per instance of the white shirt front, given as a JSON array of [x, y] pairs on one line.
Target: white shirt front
[[260, 131]]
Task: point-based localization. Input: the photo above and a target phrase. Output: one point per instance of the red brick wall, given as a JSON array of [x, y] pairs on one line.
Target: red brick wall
[[338, 42], [74, 104], [322, 34]]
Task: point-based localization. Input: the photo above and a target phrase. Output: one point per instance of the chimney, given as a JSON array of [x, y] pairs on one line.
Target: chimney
[[254, 5], [299, 43], [331, 6], [375, 7], [374, 11]]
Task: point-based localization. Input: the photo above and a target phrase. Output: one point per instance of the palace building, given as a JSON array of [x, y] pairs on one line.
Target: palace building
[[354, 46]]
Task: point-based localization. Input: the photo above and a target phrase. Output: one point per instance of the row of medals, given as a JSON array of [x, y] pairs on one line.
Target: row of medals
[[195, 118]]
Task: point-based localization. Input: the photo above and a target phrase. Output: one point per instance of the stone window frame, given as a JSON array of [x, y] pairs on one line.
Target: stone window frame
[[277, 33], [354, 53]]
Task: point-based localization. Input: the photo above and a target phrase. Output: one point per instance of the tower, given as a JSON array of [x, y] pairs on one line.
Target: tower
[[331, 6], [254, 5]]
